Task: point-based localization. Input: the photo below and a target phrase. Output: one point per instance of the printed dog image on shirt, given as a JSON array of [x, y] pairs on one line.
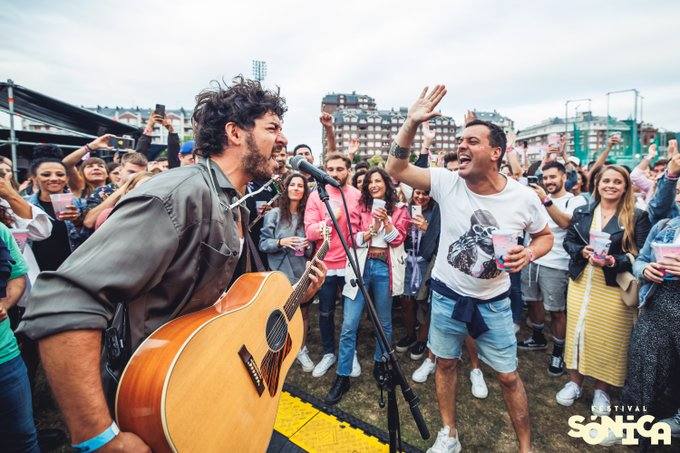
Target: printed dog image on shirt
[[472, 253]]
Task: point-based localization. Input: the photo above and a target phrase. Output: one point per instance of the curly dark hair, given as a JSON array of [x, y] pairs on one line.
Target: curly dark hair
[[366, 199], [284, 204], [241, 103]]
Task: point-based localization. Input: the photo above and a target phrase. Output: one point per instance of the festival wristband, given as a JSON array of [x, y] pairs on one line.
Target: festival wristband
[[99, 440], [530, 254]]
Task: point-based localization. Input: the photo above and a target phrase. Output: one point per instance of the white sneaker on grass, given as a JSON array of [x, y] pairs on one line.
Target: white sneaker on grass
[[327, 361], [305, 360], [444, 443], [479, 389], [427, 368], [569, 393], [601, 403], [356, 366]]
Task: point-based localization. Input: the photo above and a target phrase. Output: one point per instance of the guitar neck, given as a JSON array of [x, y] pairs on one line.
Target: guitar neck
[[295, 299]]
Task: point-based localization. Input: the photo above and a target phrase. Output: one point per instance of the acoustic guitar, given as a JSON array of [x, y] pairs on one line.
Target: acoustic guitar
[[210, 381]]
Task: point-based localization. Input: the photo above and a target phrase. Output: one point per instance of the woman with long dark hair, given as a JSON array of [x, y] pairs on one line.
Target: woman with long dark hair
[[283, 240], [598, 322], [379, 225]]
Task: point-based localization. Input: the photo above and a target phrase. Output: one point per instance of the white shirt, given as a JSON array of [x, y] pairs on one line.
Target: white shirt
[[465, 261], [558, 258]]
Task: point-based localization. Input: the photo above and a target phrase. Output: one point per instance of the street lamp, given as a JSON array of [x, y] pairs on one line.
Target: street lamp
[[634, 137], [566, 114]]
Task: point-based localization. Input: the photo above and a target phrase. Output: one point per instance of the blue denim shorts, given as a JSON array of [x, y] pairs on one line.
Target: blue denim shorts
[[497, 347]]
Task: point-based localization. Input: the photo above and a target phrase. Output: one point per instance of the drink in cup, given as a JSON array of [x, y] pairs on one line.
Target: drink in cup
[[666, 251], [61, 201], [300, 246], [377, 203], [599, 241], [21, 237], [503, 241]]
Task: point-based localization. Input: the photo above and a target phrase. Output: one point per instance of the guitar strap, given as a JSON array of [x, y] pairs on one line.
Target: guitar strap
[[253, 251]]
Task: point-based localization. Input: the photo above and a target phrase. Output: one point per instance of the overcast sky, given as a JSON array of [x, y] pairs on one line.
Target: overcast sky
[[524, 61]]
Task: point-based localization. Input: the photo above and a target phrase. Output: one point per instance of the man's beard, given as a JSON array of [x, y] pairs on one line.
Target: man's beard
[[342, 182], [255, 164], [556, 189]]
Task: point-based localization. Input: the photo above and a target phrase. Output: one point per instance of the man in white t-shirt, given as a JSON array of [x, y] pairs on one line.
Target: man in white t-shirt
[[470, 294], [544, 282]]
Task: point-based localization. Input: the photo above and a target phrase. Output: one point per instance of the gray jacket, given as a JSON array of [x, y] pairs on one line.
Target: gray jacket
[[282, 258], [168, 248]]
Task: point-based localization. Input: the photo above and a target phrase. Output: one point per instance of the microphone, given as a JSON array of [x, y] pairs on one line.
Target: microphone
[[300, 163]]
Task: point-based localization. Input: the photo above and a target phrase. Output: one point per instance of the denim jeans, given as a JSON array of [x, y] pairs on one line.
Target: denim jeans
[[327, 295], [17, 429], [377, 281], [516, 301]]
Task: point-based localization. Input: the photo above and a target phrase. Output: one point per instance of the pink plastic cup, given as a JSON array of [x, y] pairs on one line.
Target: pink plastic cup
[[21, 237], [60, 201], [503, 241], [666, 251]]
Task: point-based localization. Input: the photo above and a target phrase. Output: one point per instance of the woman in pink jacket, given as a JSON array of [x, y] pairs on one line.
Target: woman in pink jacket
[[379, 225]]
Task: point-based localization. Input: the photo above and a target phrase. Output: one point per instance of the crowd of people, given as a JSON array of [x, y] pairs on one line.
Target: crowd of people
[[424, 231]]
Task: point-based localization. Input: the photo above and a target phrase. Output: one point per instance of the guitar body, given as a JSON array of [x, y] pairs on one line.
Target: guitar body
[[210, 381]]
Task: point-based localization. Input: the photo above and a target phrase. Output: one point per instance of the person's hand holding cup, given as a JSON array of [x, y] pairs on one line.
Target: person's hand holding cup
[[62, 203]]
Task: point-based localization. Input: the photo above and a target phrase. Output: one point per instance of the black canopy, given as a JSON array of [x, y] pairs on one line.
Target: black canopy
[[45, 109]]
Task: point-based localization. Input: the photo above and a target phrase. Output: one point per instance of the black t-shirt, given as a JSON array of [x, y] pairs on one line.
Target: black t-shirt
[[51, 252]]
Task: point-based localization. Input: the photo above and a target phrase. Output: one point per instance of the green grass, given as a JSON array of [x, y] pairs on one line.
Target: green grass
[[483, 425]]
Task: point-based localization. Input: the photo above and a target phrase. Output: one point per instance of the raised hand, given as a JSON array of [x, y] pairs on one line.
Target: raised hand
[[651, 152], [469, 116], [428, 134], [326, 119], [167, 123], [423, 109], [672, 148], [353, 145], [674, 165], [614, 140], [100, 142]]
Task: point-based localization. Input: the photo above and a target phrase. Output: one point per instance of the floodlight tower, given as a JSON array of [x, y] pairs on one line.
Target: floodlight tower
[[259, 70]]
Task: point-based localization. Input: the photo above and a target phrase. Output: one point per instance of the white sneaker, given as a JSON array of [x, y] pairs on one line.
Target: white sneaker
[[444, 443], [569, 393], [609, 440], [327, 361], [427, 368], [305, 361], [356, 367], [479, 389], [601, 403]]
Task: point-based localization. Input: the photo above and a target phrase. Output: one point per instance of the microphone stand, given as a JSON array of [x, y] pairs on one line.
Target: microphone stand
[[394, 376]]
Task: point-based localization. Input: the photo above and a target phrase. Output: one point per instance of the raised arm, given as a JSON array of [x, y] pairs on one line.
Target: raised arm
[[326, 120], [602, 158], [398, 166], [71, 161]]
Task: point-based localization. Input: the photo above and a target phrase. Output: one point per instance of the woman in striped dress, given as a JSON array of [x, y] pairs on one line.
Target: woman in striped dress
[[598, 322]]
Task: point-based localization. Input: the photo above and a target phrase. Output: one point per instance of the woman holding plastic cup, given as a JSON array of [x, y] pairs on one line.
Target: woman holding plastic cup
[[379, 225], [602, 239], [653, 356], [64, 211], [283, 240]]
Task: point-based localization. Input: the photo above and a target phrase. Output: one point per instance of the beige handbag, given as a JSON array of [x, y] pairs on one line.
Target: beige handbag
[[629, 286]]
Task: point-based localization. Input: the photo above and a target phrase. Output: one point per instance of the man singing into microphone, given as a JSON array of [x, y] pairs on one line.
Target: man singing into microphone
[[316, 217], [169, 248]]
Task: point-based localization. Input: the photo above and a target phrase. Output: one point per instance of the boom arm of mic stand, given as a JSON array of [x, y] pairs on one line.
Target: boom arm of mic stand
[[408, 393]]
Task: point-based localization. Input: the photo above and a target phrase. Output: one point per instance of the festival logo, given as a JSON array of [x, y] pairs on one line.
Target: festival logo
[[627, 432]]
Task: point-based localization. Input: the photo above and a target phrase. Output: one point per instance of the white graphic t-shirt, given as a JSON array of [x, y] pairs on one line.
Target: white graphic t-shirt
[[465, 260], [558, 258]]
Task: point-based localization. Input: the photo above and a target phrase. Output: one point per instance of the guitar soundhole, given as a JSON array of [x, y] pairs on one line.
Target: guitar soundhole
[[277, 330]]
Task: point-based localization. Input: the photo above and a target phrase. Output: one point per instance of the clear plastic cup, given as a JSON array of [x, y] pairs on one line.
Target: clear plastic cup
[[666, 251], [21, 237], [378, 203], [503, 241], [60, 201], [599, 241], [300, 247]]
